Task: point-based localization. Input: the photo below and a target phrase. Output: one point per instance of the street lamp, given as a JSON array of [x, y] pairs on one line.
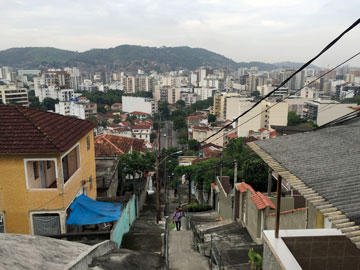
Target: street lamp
[[158, 163]]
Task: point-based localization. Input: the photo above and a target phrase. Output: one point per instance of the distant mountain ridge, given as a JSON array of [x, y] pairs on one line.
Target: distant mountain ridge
[[126, 57]]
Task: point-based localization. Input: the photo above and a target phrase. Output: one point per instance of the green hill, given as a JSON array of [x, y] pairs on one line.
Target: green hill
[[124, 57]]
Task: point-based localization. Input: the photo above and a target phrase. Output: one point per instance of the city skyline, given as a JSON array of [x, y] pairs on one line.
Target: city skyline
[[293, 31]]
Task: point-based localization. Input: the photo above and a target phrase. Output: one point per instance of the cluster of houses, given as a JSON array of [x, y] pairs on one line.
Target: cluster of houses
[[140, 127], [317, 223]]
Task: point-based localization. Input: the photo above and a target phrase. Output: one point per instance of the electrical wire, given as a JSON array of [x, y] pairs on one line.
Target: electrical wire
[[238, 125], [289, 78]]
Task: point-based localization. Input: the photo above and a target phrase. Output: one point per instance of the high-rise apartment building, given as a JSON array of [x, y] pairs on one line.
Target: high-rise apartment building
[[12, 94], [80, 108]]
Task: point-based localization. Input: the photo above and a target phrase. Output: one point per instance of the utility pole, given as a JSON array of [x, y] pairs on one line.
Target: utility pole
[[235, 171], [235, 193], [278, 205], [269, 182], [189, 189], [158, 189], [221, 167]]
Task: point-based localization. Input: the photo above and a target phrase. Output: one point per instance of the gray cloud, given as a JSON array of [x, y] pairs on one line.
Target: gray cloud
[[244, 30]]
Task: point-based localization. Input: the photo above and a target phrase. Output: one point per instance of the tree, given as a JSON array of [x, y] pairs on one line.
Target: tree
[[255, 173], [193, 145], [178, 113], [117, 119], [135, 164], [182, 134], [153, 136], [180, 103], [164, 110], [104, 123], [101, 110], [92, 118], [294, 119], [255, 93], [211, 118], [179, 123]]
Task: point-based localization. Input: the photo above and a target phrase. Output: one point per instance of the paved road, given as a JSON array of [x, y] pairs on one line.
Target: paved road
[[168, 136]]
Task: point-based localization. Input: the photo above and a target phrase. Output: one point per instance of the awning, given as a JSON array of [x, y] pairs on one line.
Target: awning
[[86, 211]]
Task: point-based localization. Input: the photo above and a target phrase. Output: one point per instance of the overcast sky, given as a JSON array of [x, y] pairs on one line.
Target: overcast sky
[[244, 30]]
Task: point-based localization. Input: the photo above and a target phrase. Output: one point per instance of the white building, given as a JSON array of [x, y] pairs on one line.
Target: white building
[[323, 111], [53, 92], [205, 92], [189, 98], [262, 116], [142, 131], [81, 108], [12, 94], [131, 104]]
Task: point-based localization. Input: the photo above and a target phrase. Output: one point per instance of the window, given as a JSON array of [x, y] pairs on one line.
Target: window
[[71, 163], [88, 142], [40, 173]]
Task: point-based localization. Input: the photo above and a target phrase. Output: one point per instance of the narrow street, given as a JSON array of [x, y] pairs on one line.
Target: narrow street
[[181, 253], [168, 136]]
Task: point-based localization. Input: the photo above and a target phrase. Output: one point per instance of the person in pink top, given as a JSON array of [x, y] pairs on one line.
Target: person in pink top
[[177, 218]]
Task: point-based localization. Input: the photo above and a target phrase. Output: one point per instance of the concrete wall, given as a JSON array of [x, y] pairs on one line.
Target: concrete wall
[[253, 220], [84, 259], [225, 202], [122, 225], [142, 196], [269, 260], [292, 220], [287, 203]]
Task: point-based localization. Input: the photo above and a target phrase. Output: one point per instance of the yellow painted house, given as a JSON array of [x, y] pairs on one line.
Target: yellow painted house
[[46, 160]]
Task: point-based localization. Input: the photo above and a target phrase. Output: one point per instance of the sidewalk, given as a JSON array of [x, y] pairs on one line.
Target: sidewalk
[[181, 254]]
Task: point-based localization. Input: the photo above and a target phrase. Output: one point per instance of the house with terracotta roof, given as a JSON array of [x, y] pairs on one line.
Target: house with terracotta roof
[[142, 131], [140, 115], [256, 210], [46, 161], [107, 145], [116, 107]]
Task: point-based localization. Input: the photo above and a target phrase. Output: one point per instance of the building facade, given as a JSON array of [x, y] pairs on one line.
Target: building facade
[[12, 94], [147, 105], [50, 162]]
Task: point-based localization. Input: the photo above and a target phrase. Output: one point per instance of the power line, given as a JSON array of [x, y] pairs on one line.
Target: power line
[[238, 125], [288, 79]]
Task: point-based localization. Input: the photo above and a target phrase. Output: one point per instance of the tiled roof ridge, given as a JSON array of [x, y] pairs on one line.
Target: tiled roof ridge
[[106, 139], [266, 200], [47, 136], [243, 186], [288, 211]]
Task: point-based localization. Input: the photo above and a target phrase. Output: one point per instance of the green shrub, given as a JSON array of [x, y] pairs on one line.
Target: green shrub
[[195, 207]]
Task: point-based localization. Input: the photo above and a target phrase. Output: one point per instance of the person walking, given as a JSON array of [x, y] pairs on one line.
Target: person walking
[[177, 218]]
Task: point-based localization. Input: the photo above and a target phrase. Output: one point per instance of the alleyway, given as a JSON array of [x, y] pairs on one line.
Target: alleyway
[[181, 254]]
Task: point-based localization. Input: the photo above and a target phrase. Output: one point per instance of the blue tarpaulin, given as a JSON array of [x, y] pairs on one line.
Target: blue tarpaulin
[[86, 211]]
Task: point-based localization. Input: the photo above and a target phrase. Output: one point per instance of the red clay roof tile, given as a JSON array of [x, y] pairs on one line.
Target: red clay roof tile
[[261, 201], [114, 145], [25, 130]]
